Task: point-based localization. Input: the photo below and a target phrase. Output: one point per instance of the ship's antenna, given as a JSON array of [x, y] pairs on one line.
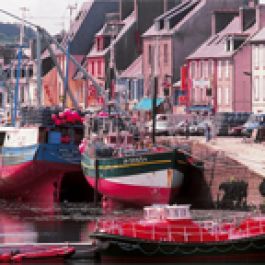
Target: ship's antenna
[[24, 11]]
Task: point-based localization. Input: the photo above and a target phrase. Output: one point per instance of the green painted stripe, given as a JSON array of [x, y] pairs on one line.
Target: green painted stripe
[[118, 167], [89, 166]]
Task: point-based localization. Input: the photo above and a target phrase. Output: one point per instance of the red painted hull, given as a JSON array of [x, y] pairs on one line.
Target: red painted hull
[[34, 181], [36, 254], [132, 194]]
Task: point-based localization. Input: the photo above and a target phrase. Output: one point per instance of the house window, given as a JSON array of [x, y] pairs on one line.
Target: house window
[[22, 94], [202, 69], [220, 69], [219, 97], [150, 54], [92, 68], [256, 88], [199, 69], [203, 94], [196, 97], [1, 100], [256, 56], [263, 58], [227, 69], [165, 53], [227, 96], [99, 68], [210, 68], [98, 44], [259, 56], [206, 69], [191, 71], [263, 88]]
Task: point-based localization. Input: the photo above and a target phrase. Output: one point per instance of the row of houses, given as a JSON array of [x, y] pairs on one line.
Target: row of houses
[[207, 55]]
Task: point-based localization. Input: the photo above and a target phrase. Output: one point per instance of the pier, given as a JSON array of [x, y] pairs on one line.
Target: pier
[[230, 172]]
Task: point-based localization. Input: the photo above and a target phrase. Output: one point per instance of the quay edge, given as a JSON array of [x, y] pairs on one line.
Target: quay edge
[[217, 177]]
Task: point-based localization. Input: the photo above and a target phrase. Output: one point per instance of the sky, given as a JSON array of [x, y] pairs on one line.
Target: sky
[[50, 14], [53, 15]]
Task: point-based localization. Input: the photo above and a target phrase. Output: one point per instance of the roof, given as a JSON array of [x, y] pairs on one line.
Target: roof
[[146, 104], [260, 36], [214, 47], [152, 31], [135, 70], [127, 22]]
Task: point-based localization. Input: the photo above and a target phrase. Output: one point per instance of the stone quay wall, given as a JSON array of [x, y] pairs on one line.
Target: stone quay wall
[[219, 181]]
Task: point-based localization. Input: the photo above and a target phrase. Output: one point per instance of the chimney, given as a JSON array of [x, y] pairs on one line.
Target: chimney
[[252, 3], [136, 9], [260, 16], [165, 6]]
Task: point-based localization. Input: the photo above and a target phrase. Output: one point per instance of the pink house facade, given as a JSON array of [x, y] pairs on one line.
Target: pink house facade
[[258, 72], [172, 38], [220, 70]]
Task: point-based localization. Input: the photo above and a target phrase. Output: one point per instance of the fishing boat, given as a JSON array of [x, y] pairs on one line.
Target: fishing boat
[[38, 153], [169, 233], [126, 169], [35, 158]]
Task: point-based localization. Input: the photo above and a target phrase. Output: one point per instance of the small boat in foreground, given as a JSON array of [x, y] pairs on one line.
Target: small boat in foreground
[[35, 253], [169, 234]]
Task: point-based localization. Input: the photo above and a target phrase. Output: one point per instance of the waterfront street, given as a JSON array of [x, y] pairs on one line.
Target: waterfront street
[[244, 151]]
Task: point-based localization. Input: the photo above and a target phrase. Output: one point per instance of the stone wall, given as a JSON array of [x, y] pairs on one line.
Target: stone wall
[[231, 184], [220, 181]]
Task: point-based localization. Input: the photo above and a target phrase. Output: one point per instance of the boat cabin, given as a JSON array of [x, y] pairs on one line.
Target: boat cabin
[[167, 212], [123, 138]]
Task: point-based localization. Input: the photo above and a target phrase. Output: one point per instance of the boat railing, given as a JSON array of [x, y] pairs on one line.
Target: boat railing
[[196, 232]]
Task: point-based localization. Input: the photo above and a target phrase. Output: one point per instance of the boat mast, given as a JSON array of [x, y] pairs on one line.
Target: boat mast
[[39, 69], [66, 79], [18, 73], [154, 84], [18, 68]]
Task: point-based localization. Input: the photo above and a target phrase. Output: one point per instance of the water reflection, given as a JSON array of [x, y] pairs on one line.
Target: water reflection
[[21, 223]]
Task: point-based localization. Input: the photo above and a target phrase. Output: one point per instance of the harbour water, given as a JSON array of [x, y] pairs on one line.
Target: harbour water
[[23, 223]]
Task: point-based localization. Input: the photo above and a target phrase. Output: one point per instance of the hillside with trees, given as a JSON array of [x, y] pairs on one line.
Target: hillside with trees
[[9, 33]]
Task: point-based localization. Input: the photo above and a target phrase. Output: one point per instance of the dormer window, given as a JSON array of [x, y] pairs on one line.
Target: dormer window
[[98, 42], [229, 45], [234, 42]]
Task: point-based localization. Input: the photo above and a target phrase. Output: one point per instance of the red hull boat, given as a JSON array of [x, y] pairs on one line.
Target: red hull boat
[[169, 234], [35, 253]]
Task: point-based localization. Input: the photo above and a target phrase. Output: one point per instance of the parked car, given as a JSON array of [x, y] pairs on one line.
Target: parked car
[[180, 128], [164, 125], [255, 121], [193, 127], [235, 131], [198, 128]]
